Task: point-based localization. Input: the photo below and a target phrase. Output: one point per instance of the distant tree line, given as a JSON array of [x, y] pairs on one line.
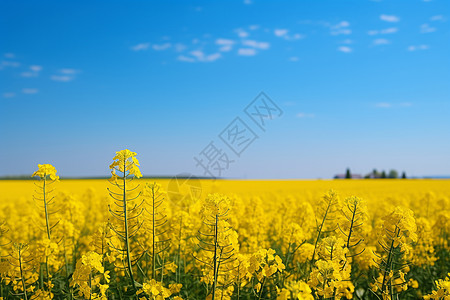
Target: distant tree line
[[392, 174]]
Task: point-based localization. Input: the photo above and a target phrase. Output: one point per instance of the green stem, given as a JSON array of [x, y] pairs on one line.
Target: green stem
[[125, 212], [320, 230], [215, 257], [45, 207], [153, 234], [389, 260], [21, 276]]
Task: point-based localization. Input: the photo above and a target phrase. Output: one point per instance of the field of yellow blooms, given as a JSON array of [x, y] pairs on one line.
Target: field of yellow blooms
[[184, 238]]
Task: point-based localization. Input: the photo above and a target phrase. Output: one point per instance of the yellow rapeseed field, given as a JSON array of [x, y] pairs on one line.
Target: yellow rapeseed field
[[185, 238]]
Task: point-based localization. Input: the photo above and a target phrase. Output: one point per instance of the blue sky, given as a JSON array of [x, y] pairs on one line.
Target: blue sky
[[361, 84]]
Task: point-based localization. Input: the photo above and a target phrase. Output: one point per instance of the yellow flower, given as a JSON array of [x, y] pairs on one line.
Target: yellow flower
[[125, 162], [46, 171]]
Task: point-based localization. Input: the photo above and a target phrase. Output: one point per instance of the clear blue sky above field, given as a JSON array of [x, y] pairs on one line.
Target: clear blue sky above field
[[361, 84]]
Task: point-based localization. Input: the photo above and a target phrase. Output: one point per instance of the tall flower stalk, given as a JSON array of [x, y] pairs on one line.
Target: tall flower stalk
[[124, 169], [217, 242], [44, 196]]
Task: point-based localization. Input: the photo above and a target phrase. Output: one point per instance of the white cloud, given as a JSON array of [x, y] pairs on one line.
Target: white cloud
[[381, 42], [254, 27], [140, 47], [383, 105], [383, 31], [36, 68], [391, 105], [225, 48], [341, 28], [305, 115], [185, 58], [246, 52], [162, 46], [65, 75], [180, 47], [437, 18], [293, 58], [62, 78], [212, 57], [341, 31], [345, 49], [347, 41], [389, 18], [242, 33], [30, 91], [13, 64], [199, 56], [223, 42], [28, 74], [296, 36], [280, 32], [419, 47], [248, 2], [9, 55], [342, 24], [425, 28], [9, 95], [256, 44], [283, 33], [69, 71]]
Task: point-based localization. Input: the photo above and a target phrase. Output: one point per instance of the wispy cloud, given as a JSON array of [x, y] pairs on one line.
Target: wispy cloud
[[345, 49], [293, 58], [383, 31], [65, 75], [253, 27], [284, 33], [256, 44], [30, 91], [341, 28], [378, 42], [179, 47], [69, 71], [280, 32], [247, 52], [13, 64], [383, 105], [28, 74], [199, 56], [437, 18], [242, 33], [9, 95], [34, 71], [305, 115], [419, 47], [140, 47], [185, 58], [62, 78], [391, 105], [389, 18], [225, 44], [36, 68], [162, 47], [248, 2], [426, 28], [347, 41]]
